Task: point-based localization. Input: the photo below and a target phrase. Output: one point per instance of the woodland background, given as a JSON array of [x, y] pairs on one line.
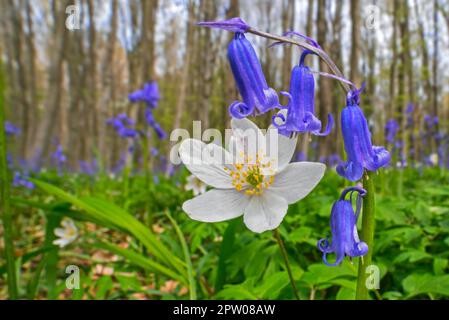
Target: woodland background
[[64, 84]]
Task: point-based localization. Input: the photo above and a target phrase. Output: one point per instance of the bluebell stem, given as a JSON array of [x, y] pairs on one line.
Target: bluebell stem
[[149, 94], [251, 82], [345, 240], [357, 139]]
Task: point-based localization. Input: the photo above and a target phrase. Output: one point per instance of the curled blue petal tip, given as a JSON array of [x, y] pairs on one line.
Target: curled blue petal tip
[[234, 25]]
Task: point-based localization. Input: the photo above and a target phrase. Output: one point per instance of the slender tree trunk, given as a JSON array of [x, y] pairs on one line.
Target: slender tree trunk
[[288, 18], [181, 103], [325, 91], [32, 80], [21, 96], [309, 32], [393, 66], [44, 136]]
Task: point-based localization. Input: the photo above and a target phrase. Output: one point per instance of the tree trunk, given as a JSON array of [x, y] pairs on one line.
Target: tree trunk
[[43, 139]]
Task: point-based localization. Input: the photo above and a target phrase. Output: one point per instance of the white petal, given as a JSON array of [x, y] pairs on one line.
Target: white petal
[[297, 180], [245, 124], [285, 148], [206, 162], [216, 205], [265, 212], [246, 137], [59, 232], [61, 242]]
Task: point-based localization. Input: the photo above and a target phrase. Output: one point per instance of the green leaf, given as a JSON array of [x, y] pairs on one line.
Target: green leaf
[[439, 265], [103, 286], [185, 248], [273, 285], [109, 213], [128, 283], [417, 284], [225, 252], [320, 273], [140, 260], [345, 294]]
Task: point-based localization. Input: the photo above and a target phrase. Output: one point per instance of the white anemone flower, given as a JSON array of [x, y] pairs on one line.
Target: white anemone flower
[[67, 234], [433, 159], [196, 185], [253, 183]]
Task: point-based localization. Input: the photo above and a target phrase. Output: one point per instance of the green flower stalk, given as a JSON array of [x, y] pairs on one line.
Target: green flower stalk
[[367, 234], [5, 185]]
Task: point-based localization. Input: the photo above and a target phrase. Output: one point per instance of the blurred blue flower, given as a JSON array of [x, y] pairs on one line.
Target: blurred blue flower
[[357, 140], [22, 181], [154, 151], [391, 130], [59, 155], [334, 160], [123, 125], [89, 168], [149, 94], [300, 156], [11, 130], [345, 239], [59, 158], [155, 125], [250, 80]]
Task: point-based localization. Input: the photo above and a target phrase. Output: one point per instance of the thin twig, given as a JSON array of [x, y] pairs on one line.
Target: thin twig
[[319, 52]]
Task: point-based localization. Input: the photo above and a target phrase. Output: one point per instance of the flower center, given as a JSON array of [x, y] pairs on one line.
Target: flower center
[[251, 178]]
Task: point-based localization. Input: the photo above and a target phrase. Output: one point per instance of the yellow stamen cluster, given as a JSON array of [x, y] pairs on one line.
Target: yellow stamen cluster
[[251, 178]]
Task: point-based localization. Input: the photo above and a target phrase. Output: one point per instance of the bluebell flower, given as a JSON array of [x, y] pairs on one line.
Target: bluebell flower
[[123, 125], [154, 152], [149, 94], [22, 181], [409, 114], [333, 160], [360, 152], [251, 82], [120, 165], [11, 130], [430, 121], [300, 115], [345, 240], [59, 155], [89, 168], [155, 125], [391, 130], [300, 156]]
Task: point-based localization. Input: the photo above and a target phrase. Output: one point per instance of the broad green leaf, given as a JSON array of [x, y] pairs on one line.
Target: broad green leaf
[[417, 284]]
